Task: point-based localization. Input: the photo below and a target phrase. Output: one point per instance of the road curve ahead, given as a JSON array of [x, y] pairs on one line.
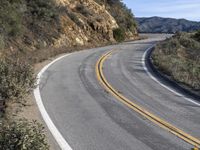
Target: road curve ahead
[[90, 117]]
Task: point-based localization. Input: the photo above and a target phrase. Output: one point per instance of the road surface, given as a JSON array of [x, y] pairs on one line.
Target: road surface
[[89, 117]]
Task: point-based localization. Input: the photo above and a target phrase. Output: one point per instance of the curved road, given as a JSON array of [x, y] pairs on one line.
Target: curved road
[[90, 118]]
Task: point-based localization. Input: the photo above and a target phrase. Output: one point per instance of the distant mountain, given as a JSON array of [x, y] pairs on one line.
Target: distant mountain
[[166, 25]]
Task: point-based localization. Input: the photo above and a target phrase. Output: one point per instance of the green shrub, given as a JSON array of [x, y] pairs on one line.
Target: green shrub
[[74, 18], [42, 9], [189, 42], [22, 135], [197, 36], [119, 34], [10, 18], [17, 78]]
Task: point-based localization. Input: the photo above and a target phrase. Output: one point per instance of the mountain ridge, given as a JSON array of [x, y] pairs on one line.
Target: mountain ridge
[[157, 24]]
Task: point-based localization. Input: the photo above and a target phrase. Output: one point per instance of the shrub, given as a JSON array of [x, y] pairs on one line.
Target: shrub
[[22, 135], [42, 9], [197, 36], [119, 34], [10, 18], [17, 78], [74, 18], [189, 42]]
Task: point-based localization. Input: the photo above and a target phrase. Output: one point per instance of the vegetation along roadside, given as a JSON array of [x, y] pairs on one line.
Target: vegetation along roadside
[[34, 31], [179, 59]]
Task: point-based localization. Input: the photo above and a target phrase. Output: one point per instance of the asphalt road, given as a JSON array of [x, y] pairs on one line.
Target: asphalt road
[[90, 118]]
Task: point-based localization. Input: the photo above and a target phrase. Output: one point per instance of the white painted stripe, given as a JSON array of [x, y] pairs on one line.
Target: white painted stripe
[[55, 132], [159, 82]]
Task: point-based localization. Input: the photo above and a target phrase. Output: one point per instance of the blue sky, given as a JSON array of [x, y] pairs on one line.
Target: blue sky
[[188, 9]]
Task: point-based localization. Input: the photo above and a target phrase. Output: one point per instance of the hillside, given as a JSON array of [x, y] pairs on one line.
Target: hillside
[[179, 58], [123, 15], [29, 26], [166, 25], [32, 31]]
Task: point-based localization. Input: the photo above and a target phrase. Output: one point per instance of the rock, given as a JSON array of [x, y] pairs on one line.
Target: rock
[[99, 24]]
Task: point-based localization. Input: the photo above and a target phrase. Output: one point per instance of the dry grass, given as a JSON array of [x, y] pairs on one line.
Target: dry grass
[[179, 58]]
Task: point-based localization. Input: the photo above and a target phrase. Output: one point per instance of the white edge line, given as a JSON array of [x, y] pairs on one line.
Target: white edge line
[[54, 131], [157, 80]]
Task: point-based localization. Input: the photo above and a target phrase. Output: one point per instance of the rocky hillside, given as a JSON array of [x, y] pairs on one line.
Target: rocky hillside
[[123, 15], [166, 25], [28, 26], [34, 30]]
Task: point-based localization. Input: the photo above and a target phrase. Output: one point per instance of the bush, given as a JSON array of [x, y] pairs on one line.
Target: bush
[[197, 36], [74, 18], [17, 78], [42, 9], [10, 18], [189, 42], [178, 57], [22, 135], [119, 34]]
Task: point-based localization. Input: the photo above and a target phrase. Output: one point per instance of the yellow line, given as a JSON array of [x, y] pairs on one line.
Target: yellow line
[[160, 122]]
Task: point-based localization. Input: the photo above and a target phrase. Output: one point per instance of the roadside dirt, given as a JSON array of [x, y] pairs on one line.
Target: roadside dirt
[[30, 111]]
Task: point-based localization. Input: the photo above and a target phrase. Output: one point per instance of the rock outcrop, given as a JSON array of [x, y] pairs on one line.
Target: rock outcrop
[[86, 22], [33, 26]]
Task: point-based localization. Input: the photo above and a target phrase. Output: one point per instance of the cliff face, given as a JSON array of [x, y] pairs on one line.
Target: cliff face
[[29, 26], [84, 23]]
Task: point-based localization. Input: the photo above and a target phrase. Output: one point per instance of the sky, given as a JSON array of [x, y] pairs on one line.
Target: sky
[[188, 9]]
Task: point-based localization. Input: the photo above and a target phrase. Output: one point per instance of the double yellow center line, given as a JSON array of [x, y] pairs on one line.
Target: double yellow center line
[[160, 122]]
